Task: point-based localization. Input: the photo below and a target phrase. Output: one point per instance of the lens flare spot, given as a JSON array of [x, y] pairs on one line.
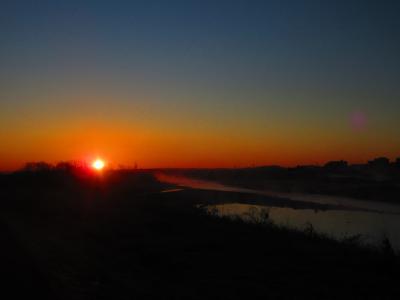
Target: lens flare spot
[[358, 120]]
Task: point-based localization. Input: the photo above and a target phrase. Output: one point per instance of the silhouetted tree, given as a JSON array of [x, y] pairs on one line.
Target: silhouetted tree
[[335, 165], [64, 166], [37, 167]]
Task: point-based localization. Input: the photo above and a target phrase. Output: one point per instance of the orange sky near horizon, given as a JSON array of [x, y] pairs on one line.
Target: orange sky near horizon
[[83, 125], [168, 146]]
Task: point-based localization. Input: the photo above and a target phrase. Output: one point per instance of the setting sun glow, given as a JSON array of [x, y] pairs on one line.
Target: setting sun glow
[[98, 164]]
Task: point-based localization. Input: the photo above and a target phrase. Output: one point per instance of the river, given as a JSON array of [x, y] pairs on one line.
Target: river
[[372, 220]]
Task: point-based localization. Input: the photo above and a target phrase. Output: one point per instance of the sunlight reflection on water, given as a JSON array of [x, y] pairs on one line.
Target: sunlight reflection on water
[[338, 224]]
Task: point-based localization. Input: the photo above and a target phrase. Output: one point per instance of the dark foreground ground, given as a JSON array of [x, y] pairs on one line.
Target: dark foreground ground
[[116, 236]]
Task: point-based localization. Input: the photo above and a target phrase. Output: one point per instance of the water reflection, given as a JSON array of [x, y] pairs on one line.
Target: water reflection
[[338, 224], [371, 219], [171, 190]]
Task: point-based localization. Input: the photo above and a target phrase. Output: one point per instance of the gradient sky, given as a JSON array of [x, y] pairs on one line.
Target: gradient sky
[[199, 83]]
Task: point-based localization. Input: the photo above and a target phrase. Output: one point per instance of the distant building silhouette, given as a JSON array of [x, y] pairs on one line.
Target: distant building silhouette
[[380, 162], [397, 163]]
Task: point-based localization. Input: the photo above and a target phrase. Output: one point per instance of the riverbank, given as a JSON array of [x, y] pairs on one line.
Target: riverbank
[[120, 237], [365, 182]]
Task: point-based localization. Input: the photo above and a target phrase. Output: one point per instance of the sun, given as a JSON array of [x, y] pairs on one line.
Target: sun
[[98, 164]]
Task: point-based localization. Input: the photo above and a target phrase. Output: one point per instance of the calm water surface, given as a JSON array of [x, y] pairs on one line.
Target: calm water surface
[[370, 219]]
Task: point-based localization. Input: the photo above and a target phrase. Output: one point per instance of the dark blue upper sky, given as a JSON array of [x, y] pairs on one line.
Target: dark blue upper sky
[[307, 37]]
